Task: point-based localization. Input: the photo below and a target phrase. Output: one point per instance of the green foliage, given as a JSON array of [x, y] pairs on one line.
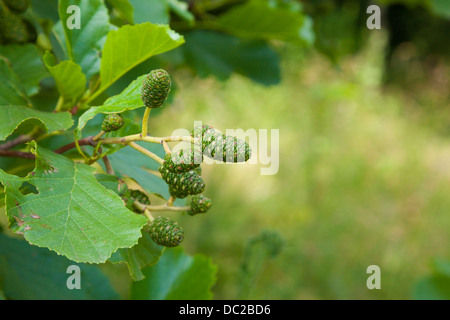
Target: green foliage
[[176, 276], [144, 254], [69, 79], [32, 273], [143, 41], [83, 45], [436, 286], [88, 192], [166, 232], [221, 55], [87, 222], [26, 62]]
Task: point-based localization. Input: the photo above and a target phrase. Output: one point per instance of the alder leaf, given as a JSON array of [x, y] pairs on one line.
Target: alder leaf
[[129, 46], [70, 213], [144, 254], [69, 79], [128, 99], [32, 273], [85, 44], [176, 276]]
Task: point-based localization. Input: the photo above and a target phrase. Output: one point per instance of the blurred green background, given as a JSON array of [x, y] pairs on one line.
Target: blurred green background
[[363, 178]]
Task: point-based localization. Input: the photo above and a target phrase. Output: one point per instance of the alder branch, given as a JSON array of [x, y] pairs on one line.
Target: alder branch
[[16, 154]]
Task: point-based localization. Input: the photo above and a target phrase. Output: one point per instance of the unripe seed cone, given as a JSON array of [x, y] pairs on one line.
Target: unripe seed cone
[[181, 161], [183, 184], [166, 232], [112, 122], [139, 196], [199, 204], [155, 88], [222, 147]]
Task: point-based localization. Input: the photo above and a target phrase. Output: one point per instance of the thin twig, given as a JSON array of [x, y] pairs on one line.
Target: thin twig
[[16, 154], [146, 152], [109, 168], [83, 142], [19, 140], [145, 121]]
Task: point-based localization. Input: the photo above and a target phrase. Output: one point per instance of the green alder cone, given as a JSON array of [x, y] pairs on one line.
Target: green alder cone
[[18, 6], [14, 29], [155, 88], [166, 232], [112, 122], [199, 204], [183, 184], [222, 147], [181, 161], [139, 196]]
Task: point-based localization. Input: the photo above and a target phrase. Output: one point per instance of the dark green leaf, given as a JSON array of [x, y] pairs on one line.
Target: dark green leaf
[[220, 54], [31, 273], [144, 254], [176, 276], [155, 11], [12, 116], [27, 64], [259, 20], [70, 80]]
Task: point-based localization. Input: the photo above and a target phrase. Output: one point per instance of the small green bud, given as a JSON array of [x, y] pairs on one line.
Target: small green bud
[[155, 88], [166, 232], [199, 204], [112, 122]]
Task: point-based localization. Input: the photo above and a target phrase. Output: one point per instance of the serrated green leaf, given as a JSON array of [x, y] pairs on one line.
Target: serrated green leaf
[[12, 116], [85, 44], [222, 55], [31, 273], [258, 20], [85, 222], [176, 276], [128, 99], [129, 46], [14, 110], [145, 253], [69, 79], [27, 64]]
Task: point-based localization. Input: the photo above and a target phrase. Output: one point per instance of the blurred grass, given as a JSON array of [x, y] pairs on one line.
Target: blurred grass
[[364, 179]]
